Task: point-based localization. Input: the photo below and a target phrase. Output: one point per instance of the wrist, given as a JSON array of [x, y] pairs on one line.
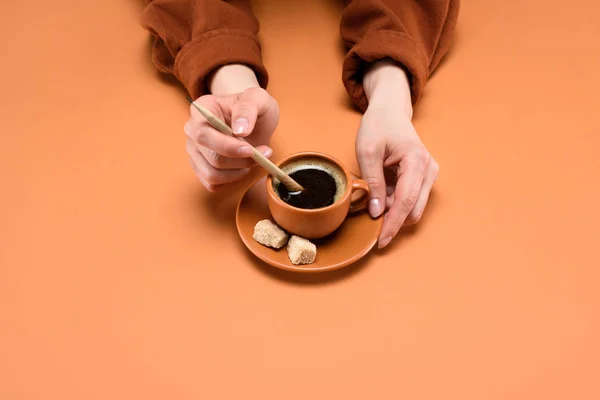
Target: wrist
[[387, 85], [232, 78]]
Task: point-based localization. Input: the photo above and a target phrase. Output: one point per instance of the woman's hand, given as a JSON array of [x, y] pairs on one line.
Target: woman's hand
[[252, 113], [392, 159]]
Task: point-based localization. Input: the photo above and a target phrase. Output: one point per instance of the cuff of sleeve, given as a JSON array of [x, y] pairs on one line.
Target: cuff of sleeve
[[379, 45], [214, 49]]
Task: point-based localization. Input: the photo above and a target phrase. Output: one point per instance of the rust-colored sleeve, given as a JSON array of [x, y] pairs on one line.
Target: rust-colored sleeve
[[194, 37], [414, 33]]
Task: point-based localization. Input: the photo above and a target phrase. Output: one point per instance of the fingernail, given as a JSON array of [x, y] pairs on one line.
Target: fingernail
[[375, 208], [240, 125], [385, 242], [268, 152], [245, 151]]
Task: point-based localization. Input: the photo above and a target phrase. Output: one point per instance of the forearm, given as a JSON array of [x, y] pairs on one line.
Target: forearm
[[387, 85], [414, 33], [194, 38], [232, 78]]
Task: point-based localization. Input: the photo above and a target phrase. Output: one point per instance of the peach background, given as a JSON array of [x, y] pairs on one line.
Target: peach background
[[121, 279]]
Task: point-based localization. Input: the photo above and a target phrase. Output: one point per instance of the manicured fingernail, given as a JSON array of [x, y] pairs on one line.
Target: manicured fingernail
[[245, 151], [240, 125], [268, 152], [385, 242], [375, 208]]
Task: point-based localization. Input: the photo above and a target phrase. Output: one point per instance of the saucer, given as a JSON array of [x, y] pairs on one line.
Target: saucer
[[348, 244]]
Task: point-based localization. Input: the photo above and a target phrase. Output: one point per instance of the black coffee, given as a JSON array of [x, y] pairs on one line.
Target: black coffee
[[319, 189]]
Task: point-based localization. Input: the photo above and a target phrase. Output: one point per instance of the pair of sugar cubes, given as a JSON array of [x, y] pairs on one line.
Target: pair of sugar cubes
[[300, 250]]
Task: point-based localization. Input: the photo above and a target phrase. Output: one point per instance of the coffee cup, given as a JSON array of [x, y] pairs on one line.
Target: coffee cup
[[315, 223]]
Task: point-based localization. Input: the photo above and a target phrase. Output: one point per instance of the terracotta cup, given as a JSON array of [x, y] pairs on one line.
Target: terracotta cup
[[320, 222]]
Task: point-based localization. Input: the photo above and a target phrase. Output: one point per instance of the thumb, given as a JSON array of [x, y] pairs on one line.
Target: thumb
[[371, 168], [251, 104]]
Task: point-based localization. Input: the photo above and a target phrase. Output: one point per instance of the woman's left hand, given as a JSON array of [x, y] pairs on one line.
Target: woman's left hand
[[399, 169]]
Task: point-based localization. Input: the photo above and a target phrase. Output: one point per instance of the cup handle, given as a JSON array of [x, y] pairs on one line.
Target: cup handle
[[360, 203]]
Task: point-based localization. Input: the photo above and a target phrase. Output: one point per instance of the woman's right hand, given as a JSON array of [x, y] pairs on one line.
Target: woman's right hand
[[218, 159]]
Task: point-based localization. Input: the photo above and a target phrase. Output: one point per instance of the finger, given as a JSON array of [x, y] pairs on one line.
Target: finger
[[370, 161], [205, 135], [221, 162], [430, 177], [194, 155], [407, 192], [389, 201], [208, 187], [252, 104], [209, 175]]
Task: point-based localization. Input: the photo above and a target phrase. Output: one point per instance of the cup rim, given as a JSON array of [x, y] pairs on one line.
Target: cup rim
[[347, 192]]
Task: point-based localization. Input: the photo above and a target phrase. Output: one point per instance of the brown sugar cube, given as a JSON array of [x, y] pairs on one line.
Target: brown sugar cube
[[301, 251], [270, 235]]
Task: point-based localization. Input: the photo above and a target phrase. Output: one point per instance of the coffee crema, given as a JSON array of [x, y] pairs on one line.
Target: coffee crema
[[323, 184]]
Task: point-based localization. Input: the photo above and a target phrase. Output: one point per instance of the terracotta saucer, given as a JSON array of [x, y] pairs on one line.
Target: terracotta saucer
[[352, 241]]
